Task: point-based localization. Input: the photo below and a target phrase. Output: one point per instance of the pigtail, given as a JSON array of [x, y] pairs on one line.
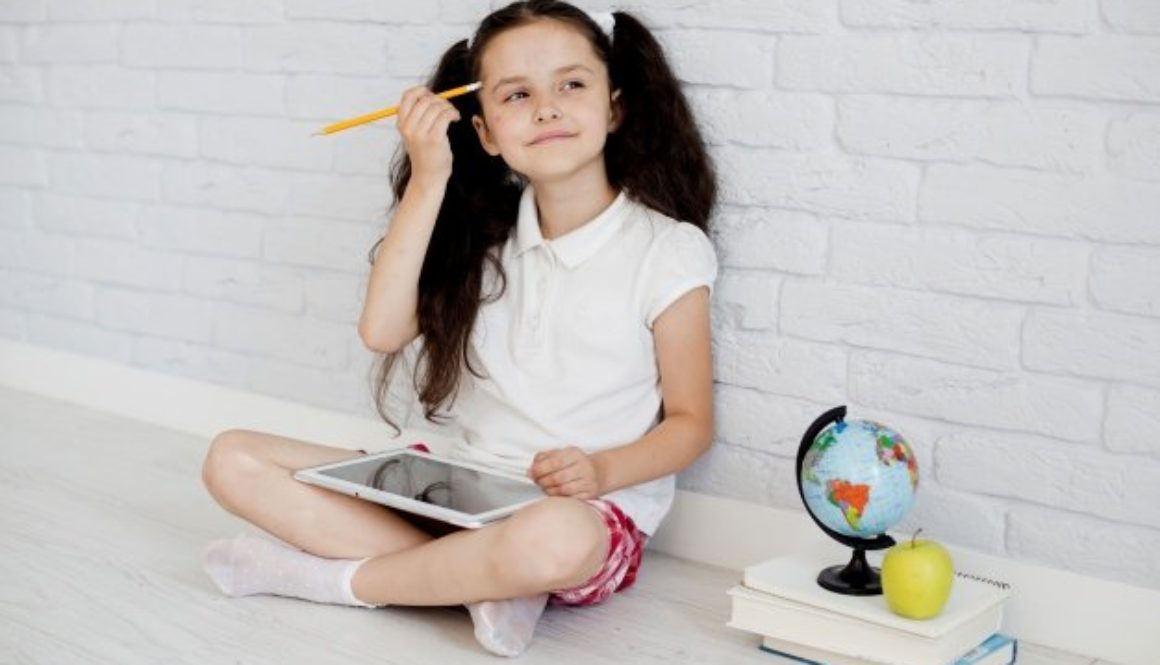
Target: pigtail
[[657, 153], [479, 208]]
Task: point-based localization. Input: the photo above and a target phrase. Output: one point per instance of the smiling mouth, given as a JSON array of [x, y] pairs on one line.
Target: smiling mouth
[[553, 139]]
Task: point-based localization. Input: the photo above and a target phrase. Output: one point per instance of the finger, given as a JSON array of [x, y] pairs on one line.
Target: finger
[[414, 101], [558, 478], [552, 466], [541, 462], [407, 102], [434, 115]]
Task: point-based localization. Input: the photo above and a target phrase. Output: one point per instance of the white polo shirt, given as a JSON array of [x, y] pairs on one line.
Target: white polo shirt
[[566, 352]]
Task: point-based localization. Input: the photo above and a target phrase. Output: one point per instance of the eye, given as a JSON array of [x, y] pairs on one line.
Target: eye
[[573, 84], [514, 96]]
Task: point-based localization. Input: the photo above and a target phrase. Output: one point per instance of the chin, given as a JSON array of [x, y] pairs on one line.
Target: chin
[[547, 170]]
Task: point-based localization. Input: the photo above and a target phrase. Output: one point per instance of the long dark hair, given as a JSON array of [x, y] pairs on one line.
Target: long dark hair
[[657, 155]]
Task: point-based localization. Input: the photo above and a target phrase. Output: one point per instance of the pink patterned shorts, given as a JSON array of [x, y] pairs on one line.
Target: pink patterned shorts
[[625, 547]]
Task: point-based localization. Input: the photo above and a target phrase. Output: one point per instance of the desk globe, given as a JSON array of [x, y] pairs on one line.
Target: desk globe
[[857, 479]]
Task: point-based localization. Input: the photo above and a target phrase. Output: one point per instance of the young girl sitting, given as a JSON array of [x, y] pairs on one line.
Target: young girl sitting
[[563, 318]]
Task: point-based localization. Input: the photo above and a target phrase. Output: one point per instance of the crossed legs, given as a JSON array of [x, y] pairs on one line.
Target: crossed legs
[[553, 544]]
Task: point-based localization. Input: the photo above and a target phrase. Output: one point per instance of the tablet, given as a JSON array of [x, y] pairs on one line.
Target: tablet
[[452, 491]]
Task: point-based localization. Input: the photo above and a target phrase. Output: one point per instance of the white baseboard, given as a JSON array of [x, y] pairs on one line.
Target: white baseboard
[[1056, 608]]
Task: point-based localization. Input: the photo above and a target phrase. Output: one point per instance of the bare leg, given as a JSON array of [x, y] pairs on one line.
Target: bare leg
[[553, 544], [250, 475], [502, 572]]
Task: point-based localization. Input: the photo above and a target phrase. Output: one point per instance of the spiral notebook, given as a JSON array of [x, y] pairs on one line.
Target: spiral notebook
[[794, 578], [781, 599]]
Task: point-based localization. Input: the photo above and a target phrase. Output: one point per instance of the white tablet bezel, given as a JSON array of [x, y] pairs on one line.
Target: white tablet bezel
[[314, 476]]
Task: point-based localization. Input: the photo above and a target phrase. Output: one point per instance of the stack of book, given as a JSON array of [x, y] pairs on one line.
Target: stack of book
[[798, 621]]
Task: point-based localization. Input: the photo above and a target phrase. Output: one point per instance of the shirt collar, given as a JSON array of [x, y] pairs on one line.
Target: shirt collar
[[576, 246]]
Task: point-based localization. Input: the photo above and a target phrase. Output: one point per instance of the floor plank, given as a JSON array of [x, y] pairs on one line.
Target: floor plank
[[103, 522]]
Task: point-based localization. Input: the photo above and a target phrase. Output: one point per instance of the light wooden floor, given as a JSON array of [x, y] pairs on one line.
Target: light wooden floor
[[102, 520]]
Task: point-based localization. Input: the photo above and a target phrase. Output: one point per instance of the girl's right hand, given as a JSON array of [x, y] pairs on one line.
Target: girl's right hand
[[423, 121]]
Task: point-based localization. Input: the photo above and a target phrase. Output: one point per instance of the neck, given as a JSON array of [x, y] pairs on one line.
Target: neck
[[566, 205]]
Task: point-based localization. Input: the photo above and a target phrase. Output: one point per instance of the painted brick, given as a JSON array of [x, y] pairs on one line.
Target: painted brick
[[201, 231], [245, 283], [171, 316], [1004, 133], [278, 144], [1053, 406], [279, 336], [907, 63], [329, 48], [226, 187], [1140, 16], [971, 332], [141, 133], [1062, 539], [1066, 16], [1096, 208], [1098, 67], [746, 300], [988, 265], [35, 125], [781, 366], [1134, 145], [181, 46], [780, 240], [86, 216], [70, 44], [320, 243], [102, 87], [1133, 420], [1080, 478], [1127, 280], [822, 183], [1091, 344]]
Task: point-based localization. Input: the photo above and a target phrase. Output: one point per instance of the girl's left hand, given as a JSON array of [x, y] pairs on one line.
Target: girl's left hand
[[566, 472]]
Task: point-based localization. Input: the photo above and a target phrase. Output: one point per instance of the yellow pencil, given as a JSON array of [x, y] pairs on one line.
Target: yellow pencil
[[392, 110]]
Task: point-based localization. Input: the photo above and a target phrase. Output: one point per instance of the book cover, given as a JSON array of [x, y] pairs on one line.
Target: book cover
[[998, 649], [816, 627], [794, 578]]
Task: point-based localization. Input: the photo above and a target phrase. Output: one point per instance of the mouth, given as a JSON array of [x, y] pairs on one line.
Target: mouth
[[551, 137]]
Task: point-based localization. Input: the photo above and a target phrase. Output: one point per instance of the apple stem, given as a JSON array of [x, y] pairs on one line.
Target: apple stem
[[914, 537]]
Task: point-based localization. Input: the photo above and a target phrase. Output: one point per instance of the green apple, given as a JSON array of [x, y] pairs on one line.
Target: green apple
[[917, 577]]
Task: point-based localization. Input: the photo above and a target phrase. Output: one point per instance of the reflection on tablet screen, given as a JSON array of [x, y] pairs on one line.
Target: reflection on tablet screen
[[435, 482]]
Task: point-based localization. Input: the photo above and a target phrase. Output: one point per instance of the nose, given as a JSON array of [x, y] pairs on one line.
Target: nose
[[547, 112]]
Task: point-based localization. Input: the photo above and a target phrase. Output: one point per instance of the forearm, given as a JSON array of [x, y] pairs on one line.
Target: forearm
[[389, 311], [668, 448]]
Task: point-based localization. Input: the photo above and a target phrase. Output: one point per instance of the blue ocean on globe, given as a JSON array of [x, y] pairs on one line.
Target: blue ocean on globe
[[859, 478]]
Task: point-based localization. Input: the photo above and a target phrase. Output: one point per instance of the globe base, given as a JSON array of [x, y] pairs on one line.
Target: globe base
[[856, 578]]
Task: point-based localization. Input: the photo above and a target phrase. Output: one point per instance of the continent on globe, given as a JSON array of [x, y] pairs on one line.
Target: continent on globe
[[850, 498], [892, 450]]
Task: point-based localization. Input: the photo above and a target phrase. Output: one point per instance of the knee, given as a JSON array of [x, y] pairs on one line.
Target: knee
[[555, 543], [228, 461]]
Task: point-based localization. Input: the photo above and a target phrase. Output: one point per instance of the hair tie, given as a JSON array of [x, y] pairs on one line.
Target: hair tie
[[605, 20]]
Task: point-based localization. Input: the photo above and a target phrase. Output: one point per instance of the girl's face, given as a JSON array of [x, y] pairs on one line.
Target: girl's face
[[547, 109]]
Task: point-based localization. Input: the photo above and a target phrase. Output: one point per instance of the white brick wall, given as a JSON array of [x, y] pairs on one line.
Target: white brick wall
[[943, 214]]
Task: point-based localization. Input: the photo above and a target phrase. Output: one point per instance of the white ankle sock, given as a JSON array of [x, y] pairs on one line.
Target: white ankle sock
[[505, 627], [245, 565]]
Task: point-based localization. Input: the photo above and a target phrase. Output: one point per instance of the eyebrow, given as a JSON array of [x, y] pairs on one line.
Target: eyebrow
[[517, 79]]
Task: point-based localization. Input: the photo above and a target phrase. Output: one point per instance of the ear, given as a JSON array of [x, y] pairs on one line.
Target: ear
[[485, 140], [615, 112]]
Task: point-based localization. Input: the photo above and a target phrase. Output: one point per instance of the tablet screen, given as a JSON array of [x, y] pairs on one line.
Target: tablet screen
[[436, 482]]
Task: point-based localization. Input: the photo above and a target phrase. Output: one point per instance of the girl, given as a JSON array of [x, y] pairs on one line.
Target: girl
[[563, 315]]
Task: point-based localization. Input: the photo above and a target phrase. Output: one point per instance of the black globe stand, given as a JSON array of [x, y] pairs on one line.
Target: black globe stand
[[856, 578]]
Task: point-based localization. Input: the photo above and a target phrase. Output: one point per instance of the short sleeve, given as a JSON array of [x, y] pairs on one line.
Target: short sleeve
[[681, 260]]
